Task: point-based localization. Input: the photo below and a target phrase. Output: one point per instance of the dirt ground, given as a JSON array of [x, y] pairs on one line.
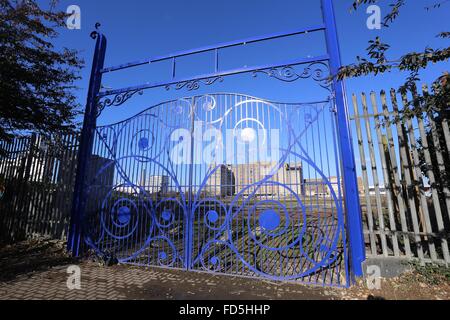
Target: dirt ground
[[38, 270]]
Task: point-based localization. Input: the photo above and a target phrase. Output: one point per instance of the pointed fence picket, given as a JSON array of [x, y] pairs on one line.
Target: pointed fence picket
[[409, 215]]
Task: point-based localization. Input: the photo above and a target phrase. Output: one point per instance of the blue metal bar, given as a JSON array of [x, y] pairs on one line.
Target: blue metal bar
[[85, 149], [216, 74], [174, 65], [190, 213], [216, 57], [214, 47], [352, 202]]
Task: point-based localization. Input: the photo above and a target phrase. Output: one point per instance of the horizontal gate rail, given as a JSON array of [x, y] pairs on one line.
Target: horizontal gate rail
[[213, 77], [215, 47]]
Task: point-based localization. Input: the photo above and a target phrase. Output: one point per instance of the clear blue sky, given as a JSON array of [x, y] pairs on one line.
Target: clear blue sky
[[138, 29]]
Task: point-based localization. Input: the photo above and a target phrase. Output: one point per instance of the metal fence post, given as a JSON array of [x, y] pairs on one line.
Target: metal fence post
[[85, 148], [352, 203]]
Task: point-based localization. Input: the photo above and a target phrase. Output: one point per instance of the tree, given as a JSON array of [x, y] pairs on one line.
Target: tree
[[36, 80], [435, 103], [377, 62]]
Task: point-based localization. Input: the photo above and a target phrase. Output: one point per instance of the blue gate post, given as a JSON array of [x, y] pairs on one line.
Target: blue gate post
[[352, 203], [85, 148]]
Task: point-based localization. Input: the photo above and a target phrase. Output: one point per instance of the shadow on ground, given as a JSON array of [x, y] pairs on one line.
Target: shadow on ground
[[38, 270], [182, 285], [31, 256]]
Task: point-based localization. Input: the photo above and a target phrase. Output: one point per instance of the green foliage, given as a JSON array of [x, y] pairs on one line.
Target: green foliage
[[431, 273], [36, 80]]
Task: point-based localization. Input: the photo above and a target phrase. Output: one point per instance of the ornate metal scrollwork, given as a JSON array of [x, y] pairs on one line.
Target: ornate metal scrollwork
[[141, 218], [318, 71], [94, 34], [192, 85], [118, 100]]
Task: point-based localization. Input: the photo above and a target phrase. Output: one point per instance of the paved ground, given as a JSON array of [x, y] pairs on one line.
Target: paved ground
[[124, 282], [39, 271]]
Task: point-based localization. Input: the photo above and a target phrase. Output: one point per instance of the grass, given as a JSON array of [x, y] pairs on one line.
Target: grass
[[432, 274]]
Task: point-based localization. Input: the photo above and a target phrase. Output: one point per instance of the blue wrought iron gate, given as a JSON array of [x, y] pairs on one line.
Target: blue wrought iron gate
[[224, 183]]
